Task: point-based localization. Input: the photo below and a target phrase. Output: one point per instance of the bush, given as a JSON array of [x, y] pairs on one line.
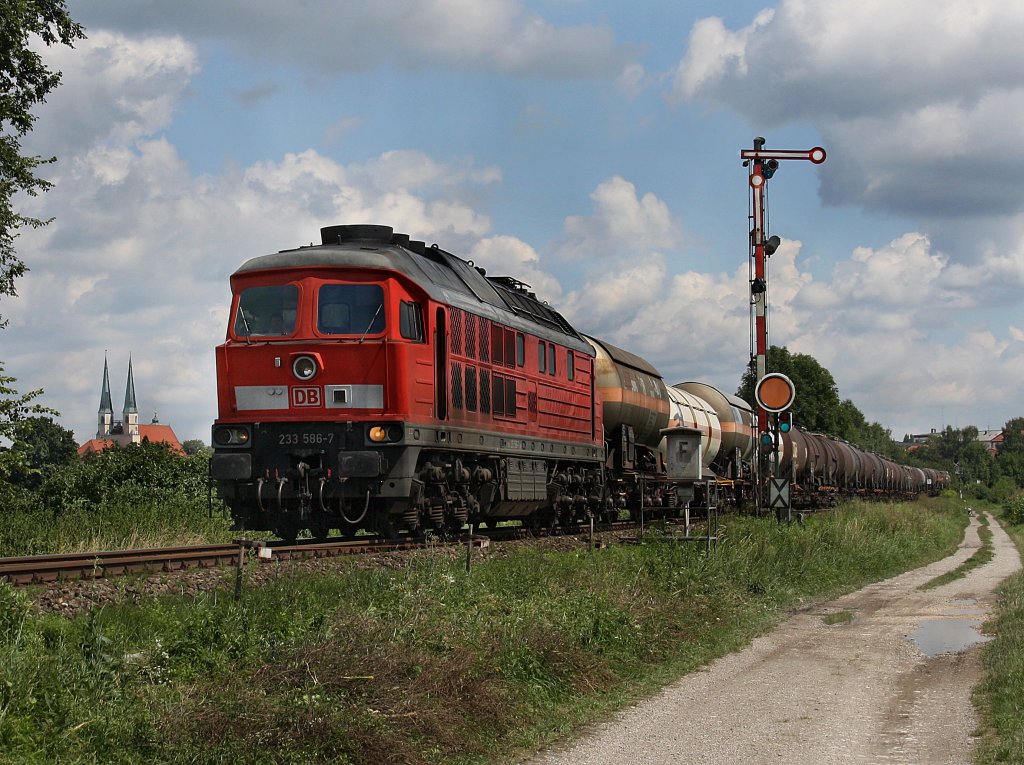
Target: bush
[[141, 495], [147, 469], [1013, 509]]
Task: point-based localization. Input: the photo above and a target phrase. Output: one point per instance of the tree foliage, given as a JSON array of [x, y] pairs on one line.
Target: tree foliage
[[42, 446], [958, 451], [14, 409], [817, 406], [195, 446], [25, 81], [126, 474]]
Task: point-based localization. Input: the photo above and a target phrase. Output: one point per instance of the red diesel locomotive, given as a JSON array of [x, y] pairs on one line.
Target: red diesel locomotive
[[376, 382]]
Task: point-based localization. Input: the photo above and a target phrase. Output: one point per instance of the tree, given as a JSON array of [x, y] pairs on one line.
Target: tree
[[41, 446], [195, 446], [1013, 436], [24, 83], [817, 406], [1010, 460], [959, 451], [14, 408]]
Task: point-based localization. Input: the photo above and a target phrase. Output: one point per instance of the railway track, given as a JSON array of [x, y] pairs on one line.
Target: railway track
[[40, 569]]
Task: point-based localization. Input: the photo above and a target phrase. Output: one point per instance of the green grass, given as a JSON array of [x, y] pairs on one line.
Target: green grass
[[840, 617], [1000, 697], [980, 557], [425, 664]]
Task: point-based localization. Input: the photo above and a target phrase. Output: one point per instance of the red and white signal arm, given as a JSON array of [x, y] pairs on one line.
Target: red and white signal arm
[[775, 392]]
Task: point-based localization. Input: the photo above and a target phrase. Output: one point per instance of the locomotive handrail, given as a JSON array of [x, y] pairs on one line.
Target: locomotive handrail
[[259, 495]]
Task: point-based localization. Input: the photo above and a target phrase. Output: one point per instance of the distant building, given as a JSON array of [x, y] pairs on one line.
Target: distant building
[[992, 439], [127, 430], [912, 441]]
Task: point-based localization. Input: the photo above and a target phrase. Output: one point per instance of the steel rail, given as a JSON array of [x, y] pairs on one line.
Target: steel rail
[[41, 569]]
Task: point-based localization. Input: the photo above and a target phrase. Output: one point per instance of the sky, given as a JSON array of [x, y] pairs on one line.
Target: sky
[[589, 148]]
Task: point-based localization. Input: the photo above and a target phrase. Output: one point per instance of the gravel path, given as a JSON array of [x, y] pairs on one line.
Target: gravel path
[[860, 691]]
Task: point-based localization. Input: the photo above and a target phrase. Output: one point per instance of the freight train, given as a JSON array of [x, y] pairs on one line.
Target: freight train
[[374, 382]]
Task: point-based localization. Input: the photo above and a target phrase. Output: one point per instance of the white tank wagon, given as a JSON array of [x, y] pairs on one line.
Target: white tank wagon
[[731, 443]]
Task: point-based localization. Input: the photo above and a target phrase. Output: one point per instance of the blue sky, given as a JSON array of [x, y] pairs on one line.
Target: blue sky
[[590, 149]]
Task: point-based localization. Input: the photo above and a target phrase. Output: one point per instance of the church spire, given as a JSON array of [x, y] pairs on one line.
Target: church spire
[[131, 412], [105, 405], [105, 416], [129, 393]]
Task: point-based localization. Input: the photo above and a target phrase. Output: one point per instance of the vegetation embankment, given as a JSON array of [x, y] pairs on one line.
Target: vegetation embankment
[[424, 663], [140, 496], [1000, 698]]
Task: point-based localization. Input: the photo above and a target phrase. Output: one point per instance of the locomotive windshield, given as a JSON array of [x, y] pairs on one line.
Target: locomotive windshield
[[267, 311], [350, 309]]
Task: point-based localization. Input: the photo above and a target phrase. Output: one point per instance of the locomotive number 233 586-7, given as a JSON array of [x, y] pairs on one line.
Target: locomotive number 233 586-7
[[305, 439]]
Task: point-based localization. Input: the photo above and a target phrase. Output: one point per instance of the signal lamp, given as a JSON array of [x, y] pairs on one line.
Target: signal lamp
[[768, 441], [304, 368], [785, 422], [381, 434], [771, 244], [768, 168], [231, 436]]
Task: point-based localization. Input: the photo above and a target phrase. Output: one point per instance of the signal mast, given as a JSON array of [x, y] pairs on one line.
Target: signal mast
[[778, 390]]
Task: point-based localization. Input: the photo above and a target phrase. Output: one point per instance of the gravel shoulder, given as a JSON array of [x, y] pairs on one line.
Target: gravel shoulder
[[859, 691]]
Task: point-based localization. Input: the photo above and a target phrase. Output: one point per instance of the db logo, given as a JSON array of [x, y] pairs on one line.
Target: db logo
[[306, 396]]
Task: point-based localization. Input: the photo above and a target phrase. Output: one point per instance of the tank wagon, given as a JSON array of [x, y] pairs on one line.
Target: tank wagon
[[821, 468], [372, 381]]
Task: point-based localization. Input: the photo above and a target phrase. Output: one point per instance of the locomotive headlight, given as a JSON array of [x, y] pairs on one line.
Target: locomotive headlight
[[384, 434], [231, 435], [305, 368]]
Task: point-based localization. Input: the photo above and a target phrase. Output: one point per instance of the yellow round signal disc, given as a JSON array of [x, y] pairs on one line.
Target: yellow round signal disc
[[775, 392]]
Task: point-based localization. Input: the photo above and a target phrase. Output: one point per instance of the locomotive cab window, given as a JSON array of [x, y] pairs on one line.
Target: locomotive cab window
[[410, 321], [350, 309], [267, 311]]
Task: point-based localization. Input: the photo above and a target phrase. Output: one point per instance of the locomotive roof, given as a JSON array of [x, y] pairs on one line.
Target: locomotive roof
[[444, 276]]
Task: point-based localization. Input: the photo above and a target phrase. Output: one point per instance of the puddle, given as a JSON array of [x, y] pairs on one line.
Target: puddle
[[938, 636]]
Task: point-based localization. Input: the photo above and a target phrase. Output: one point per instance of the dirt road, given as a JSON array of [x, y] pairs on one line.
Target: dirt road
[[874, 689]]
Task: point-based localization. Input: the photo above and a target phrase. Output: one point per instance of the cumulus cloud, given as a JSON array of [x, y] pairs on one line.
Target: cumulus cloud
[[498, 35], [915, 118], [510, 256], [114, 90], [620, 221]]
